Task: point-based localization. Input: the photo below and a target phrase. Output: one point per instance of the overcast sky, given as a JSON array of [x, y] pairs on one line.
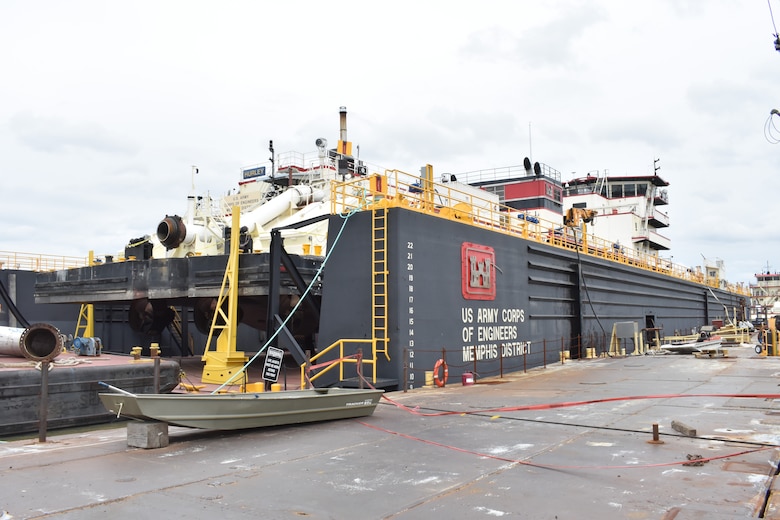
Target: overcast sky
[[107, 105]]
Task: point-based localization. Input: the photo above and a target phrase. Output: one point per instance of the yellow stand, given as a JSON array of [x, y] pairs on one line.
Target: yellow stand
[[623, 330], [223, 363], [87, 312]]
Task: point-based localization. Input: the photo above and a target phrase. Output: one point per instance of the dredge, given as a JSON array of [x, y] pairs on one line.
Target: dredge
[[485, 272]]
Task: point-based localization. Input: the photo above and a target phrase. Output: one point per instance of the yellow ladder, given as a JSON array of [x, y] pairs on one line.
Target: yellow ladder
[[379, 284], [379, 339], [177, 332], [176, 323]]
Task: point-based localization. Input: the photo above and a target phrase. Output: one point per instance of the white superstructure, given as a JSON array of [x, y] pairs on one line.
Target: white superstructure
[[627, 209]]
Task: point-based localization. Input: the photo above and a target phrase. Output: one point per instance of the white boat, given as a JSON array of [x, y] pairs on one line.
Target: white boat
[[704, 343], [245, 410]]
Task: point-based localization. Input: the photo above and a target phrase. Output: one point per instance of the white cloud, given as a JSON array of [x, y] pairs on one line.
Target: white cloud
[[108, 105], [55, 135]]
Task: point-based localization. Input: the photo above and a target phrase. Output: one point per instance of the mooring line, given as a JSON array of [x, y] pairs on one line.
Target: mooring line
[[697, 461], [549, 406]]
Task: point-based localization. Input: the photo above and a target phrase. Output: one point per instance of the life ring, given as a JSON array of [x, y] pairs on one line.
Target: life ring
[[443, 381]]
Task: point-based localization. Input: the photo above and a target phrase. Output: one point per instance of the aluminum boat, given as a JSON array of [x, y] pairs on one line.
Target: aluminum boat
[[245, 410]]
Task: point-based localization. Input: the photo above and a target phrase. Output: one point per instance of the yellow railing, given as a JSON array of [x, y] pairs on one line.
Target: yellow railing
[[36, 262], [401, 189], [339, 362]]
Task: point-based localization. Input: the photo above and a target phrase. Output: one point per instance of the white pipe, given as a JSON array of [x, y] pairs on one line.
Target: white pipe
[[296, 196], [9, 341], [38, 342]]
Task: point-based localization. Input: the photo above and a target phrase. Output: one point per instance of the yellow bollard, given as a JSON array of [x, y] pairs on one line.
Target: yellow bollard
[[276, 387], [253, 388], [429, 378]]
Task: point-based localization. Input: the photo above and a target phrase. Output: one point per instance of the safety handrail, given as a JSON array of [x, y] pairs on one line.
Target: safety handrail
[[38, 262], [338, 362], [400, 189]]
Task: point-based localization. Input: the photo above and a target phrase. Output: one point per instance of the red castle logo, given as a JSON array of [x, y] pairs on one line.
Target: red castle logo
[[478, 272]]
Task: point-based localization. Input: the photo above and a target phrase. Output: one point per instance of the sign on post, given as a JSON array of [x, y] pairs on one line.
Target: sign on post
[[273, 363]]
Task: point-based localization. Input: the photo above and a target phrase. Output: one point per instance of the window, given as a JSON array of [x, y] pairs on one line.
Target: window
[[497, 190]]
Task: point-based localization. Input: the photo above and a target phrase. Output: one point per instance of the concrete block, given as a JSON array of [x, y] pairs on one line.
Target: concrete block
[[147, 434], [683, 428]]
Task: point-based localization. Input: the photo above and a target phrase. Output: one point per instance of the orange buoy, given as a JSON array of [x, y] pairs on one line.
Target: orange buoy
[[440, 382]]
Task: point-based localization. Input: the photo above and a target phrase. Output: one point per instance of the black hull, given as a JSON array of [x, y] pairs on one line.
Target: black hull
[[547, 299], [20, 286], [132, 300], [532, 302], [73, 391]]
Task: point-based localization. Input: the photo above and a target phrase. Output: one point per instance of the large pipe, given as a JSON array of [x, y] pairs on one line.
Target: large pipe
[[38, 342], [171, 231], [297, 196]]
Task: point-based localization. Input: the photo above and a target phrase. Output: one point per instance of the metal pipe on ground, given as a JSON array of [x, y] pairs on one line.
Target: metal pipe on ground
[[43, 406], [38, 342]]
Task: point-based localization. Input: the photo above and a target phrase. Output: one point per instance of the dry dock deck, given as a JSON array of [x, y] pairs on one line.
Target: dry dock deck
[[591, 461]]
